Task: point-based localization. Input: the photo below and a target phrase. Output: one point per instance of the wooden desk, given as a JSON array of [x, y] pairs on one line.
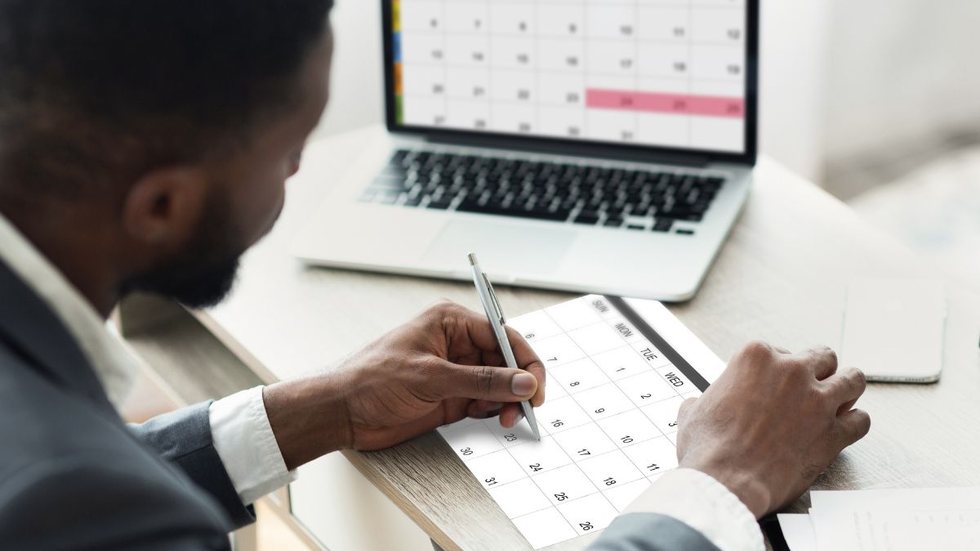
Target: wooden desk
[[782, 277]]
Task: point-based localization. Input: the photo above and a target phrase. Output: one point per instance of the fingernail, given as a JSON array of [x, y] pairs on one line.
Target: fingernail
[[523, 384]]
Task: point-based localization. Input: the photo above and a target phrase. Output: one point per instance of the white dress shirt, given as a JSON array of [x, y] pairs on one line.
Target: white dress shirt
[[704, 504], [247, 447]]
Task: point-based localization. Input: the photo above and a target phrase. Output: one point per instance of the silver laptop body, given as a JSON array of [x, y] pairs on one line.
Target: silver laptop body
[[592, 148]]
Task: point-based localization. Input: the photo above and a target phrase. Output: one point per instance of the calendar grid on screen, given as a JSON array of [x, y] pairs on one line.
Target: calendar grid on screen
[[665, 73], [608, 424]]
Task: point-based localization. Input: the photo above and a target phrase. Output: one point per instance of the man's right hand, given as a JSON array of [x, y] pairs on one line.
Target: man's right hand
[[772, 423]]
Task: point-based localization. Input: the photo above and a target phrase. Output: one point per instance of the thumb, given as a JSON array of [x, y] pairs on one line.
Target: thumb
[[495, 384]]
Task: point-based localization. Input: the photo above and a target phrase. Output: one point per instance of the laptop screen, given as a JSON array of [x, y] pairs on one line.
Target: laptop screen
[[666, 74]]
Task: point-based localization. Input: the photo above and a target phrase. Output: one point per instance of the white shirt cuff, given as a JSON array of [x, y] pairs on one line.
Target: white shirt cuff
[[247, 447], [703, 503]]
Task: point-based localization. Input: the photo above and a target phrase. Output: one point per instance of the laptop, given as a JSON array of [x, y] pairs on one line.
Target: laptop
[[585, 146]]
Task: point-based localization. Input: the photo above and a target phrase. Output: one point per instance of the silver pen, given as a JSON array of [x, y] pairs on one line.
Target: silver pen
[[496, 316]]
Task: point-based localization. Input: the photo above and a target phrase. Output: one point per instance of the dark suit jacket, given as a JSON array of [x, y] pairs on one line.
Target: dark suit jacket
[[650, 532], [73, 475]]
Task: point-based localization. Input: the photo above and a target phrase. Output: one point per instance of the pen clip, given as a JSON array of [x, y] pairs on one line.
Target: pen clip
[[498, 312]]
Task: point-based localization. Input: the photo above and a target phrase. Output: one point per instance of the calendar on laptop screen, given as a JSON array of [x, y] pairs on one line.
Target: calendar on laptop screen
[[662, 73], [609, 422]]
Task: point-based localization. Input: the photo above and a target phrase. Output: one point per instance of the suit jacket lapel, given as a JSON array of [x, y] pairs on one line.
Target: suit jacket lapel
[[33, 329]]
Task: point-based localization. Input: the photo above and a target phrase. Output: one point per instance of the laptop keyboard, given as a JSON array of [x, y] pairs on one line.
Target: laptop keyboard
[[543, 190]]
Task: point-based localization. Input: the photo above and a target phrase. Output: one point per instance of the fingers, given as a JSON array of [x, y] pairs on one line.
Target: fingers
[[482, 336], [685, 410], [822, 361], [535, 368], [481, 409], [511, 415], [523, 353], [491, 384], [477, 327], [847, 406], [853, 426], [528, 361], [846, 387]]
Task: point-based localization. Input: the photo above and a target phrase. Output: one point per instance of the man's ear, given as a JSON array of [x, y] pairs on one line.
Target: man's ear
[[163, 208]]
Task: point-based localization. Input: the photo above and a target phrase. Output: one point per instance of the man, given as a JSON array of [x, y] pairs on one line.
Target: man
[[144, 146]]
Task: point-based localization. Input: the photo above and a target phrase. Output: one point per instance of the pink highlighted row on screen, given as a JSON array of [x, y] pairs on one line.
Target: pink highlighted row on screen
[[652, 102]]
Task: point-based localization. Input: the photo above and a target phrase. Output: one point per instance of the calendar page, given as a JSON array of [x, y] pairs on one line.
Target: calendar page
[[608, 425], [667, 73]]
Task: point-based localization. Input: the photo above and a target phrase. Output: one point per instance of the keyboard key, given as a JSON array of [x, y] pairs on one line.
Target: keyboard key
[[700, 207], [587, 217], [543, 190], [613, 211], [440, 204], [388, 182], [538, 214], [663, 225]]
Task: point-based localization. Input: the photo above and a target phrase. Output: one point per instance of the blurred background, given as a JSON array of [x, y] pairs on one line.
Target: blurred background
[[877, 101]]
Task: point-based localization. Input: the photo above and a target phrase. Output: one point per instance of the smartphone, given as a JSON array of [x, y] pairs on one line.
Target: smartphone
[[894, 329]]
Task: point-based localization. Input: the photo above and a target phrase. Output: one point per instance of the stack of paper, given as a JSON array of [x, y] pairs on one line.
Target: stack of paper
[[887, 520]]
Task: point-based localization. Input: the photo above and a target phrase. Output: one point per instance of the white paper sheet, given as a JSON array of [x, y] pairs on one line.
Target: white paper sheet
[[798, 532], [897, 531], [904, 499], [887, 520]]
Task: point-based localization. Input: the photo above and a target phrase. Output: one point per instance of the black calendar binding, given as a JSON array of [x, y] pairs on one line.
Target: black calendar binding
[[644, 328], [770, 527]]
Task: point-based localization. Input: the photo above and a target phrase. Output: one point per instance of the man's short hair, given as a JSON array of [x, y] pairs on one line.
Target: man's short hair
[[91, 89]]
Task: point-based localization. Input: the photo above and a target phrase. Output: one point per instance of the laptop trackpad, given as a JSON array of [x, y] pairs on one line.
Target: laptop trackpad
[[503, 249]]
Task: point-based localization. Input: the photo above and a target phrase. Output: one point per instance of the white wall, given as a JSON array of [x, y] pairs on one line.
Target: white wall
[[793, 51], [847, 78], [356, 91], [900, 70]]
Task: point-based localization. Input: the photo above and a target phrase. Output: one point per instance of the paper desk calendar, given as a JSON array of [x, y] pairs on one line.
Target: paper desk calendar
[[618, 371]]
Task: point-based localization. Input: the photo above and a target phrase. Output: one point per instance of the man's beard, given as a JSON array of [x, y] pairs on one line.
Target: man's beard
[[204, 274]]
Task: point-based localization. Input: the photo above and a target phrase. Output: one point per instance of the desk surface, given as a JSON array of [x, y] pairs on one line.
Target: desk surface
[[782, 277]]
